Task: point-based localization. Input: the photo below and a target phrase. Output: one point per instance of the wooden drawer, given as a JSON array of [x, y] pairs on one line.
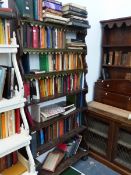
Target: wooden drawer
[[113, 99], [117, 86]]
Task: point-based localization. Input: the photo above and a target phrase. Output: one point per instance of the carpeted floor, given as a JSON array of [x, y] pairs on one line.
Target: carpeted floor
[[92, 167]]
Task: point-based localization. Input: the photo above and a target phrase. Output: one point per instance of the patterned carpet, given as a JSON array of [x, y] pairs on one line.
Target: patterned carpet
[[92, 167]]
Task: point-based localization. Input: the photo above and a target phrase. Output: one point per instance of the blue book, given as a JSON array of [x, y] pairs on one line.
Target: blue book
[[48, 37], [35, 9], [33, 144], [42, 137]]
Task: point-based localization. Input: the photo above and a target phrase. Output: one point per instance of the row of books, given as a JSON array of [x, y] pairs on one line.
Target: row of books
[[62, 151], [52, 62], [117, 58], [7, 82], [55, 85], [58, 129], [5, 31], [8, 161], [42, 37], [9, 123]]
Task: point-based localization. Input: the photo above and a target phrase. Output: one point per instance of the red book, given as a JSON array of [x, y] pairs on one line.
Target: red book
[[35, 36], [61, 128], [15, 157], [17, 121], [27, 91], [29, 118]]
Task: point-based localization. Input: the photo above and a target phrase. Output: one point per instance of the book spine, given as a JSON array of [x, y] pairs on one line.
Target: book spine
[[78, 10], [17, 121], [35, 37], [35, 9]]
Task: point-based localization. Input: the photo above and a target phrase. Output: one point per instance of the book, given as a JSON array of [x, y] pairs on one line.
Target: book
[[17, 121], [52, 161], [33, 144], [25, 8], [35, 37], [75, 8], [69, 109], [52, 5], [2, 80], [67, 14], [71, 171]]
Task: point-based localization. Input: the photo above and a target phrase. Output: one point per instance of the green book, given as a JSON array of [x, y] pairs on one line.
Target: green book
[[44, 63], [71, 171]]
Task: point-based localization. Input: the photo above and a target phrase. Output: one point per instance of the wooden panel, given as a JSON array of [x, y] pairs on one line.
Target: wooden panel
[[113, 99], [117, 86]]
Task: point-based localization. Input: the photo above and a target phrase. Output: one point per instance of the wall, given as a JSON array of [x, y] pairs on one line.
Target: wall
[[99, 10]]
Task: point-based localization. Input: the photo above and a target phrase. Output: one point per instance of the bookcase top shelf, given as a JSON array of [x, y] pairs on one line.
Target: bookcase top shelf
[[116, 22], [10, 104], [43, 50], [14, 142], [50, 74], [5, 48], [56, 96], [43, 148]]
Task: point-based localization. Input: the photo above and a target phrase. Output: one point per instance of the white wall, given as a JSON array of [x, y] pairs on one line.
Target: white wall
[[99, 10]]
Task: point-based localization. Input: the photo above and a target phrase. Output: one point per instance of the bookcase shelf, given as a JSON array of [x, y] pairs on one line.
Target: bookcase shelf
[[5, 48], [38, 126], [85, 90], [13, 103], [40, 23], [95, 131], [66, 163], [117, 66], [116, 46], [14, 142], [46, 50], [43, 148], [49, 74], [124, 144]]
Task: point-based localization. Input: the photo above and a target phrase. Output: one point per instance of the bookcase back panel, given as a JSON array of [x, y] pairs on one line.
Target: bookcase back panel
[[119, 73], [117, 36]]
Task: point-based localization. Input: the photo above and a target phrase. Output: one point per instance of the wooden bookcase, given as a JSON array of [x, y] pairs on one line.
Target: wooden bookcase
[[110, 130], [42, 148], [13, 142]]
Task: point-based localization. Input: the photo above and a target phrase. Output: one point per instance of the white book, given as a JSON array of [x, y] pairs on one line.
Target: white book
[[74, 5]]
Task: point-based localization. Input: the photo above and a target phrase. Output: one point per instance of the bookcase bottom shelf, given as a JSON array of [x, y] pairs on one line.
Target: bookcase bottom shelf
[[66, 163]]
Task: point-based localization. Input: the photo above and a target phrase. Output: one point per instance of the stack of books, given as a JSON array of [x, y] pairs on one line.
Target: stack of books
[[52, 12], [77, 15]]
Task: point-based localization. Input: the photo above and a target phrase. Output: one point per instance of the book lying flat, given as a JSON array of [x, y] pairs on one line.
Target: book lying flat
[[52, 16], [52, 160]]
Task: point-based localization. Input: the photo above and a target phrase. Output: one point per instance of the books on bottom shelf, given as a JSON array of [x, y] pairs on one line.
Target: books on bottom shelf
[[62, 151]]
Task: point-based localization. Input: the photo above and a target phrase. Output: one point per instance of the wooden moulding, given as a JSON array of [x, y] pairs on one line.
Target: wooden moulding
[[118, 22]]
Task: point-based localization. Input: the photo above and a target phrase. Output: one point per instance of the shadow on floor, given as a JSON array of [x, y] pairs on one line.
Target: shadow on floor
[[93, 167]]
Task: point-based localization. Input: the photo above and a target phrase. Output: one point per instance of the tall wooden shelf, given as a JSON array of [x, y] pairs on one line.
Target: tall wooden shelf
[[82, 109], [108, 120]]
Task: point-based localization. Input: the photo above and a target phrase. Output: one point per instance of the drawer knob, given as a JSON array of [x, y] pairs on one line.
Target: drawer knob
[[108, 85], [106, 93]]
